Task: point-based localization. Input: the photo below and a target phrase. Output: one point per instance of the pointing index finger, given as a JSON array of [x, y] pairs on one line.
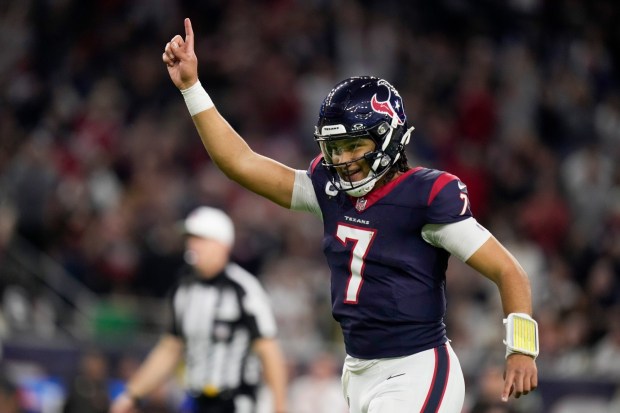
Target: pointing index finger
[[189, 34], [508, 386]]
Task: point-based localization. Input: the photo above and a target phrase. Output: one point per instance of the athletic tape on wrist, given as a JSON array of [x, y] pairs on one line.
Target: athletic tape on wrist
[[196, 99], [521, 335]]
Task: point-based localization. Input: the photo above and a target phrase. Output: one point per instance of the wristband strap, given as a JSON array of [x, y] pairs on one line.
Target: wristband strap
[[521, 335], [196, 99]]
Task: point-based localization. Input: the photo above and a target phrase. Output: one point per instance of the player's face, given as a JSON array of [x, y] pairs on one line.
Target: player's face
[[347, 155]]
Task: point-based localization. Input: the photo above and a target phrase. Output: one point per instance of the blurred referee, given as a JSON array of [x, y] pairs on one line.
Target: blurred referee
[[221, 320]]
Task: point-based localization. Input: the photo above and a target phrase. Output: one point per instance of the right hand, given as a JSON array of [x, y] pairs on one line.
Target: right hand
[[181, 60], [123, 404]]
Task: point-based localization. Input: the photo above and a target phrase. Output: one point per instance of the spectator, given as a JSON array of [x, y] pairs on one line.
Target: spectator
[[9, 397], [88, 390], [321, 378]]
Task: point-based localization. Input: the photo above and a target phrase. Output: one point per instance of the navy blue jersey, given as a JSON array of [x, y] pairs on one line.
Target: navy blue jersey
[[387, 283]]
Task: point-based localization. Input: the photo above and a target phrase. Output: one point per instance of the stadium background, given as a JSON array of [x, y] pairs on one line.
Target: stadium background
[[99, 160]]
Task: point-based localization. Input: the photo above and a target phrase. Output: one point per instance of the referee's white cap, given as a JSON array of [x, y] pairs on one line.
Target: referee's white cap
[[212, 223]]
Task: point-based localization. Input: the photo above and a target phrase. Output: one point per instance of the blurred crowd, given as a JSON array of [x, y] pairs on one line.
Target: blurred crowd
[[99, 159]]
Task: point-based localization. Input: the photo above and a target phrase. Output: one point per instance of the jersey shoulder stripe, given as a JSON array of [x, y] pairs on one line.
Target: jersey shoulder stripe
[[442, 180], [315, 162]]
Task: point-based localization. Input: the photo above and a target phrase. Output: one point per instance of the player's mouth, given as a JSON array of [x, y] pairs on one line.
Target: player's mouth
[[352, 174]]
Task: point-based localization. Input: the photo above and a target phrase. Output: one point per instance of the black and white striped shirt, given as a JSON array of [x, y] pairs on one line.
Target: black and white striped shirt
[[219, 319]]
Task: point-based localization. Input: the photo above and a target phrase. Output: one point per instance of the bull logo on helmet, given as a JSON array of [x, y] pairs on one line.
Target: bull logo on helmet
[[385, 107]]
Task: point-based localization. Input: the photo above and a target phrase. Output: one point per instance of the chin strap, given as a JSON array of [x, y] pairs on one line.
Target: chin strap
[[407, 136], [362, 189]]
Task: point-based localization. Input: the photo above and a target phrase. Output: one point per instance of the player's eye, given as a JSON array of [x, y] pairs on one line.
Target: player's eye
[[333, 149], [340, 148]]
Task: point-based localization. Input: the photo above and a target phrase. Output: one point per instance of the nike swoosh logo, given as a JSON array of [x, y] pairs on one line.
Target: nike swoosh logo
[[396, 375]]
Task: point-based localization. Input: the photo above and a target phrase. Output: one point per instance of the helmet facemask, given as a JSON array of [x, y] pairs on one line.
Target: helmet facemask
[[388, 148]]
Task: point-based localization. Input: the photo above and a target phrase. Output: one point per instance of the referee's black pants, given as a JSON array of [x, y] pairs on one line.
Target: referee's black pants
[[224, 402], [214, 405]]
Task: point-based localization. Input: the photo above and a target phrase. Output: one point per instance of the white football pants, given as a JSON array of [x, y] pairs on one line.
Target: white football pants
[[427, 382]]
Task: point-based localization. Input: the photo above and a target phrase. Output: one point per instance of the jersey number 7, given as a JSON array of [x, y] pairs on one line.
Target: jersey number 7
[[362, 239]]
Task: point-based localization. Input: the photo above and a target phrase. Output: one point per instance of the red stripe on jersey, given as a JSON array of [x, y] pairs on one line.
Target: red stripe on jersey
[[315, 162], [430, 389], [382, 191], [439, 184]]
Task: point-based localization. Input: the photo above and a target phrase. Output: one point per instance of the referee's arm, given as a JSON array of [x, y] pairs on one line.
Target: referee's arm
[[274, 367], [158, 366]]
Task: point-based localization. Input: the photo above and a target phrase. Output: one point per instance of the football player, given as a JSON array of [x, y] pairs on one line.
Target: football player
[[389, 230]]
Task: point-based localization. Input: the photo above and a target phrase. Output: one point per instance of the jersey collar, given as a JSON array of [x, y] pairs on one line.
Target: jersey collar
[[362, 203]]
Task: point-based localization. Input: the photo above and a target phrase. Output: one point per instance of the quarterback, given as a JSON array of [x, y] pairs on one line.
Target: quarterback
[[388, 275]]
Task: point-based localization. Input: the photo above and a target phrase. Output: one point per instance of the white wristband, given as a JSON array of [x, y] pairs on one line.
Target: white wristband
[[197, 99]]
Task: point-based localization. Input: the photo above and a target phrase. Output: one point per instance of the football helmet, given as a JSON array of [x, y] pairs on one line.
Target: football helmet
[[363, 107]]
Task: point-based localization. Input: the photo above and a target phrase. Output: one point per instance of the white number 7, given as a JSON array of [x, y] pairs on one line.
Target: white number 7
[[362, 239], [465, 203]]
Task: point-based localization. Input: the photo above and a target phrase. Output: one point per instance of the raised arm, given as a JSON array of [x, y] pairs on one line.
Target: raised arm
[[226, 148], [496, 263]]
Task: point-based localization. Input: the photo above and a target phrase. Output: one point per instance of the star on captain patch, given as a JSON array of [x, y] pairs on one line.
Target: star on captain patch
[[360, 205]]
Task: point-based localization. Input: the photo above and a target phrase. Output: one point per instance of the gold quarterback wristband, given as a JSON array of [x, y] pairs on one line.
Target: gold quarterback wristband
[[521, 335]]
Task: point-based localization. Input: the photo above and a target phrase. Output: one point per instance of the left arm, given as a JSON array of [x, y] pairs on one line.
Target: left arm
[[474, 245], [497, 264], [274, 367]]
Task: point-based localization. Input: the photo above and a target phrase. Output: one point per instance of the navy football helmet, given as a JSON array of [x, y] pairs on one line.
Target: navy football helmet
[[357, 108]]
